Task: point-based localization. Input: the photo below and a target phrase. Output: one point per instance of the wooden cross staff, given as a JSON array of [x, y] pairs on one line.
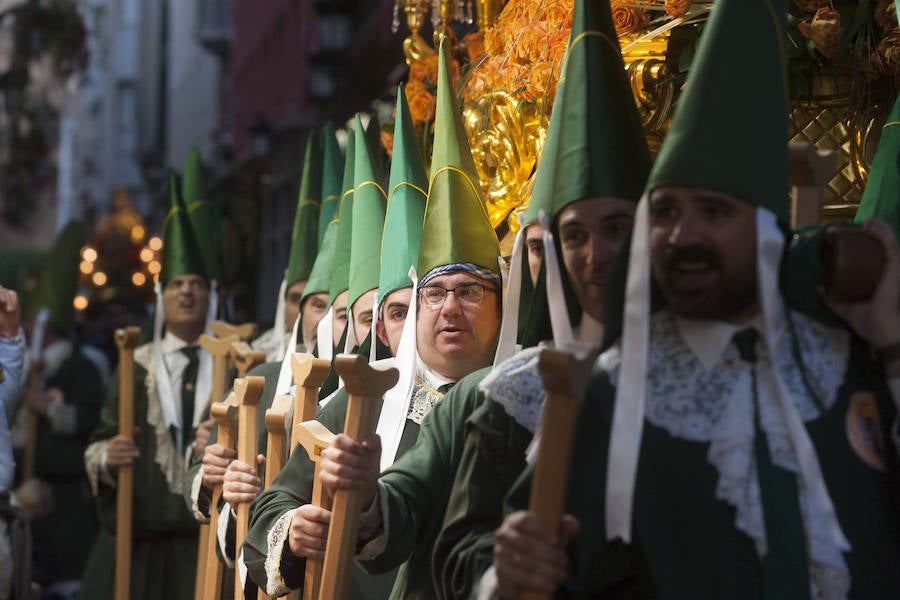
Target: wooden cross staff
[[218, 349], [245, 358], [278, 425], [314, 437], [565, 378], [309, 374], [225, 414], [249, 392], [221, 329], [365, 386], [35, 386], [126, 340]]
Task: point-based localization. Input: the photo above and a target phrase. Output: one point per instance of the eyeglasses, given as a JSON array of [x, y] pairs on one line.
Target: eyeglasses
[[470, 294]]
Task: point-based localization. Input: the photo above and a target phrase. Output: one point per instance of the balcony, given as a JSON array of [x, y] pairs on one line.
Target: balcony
[[215, 25]]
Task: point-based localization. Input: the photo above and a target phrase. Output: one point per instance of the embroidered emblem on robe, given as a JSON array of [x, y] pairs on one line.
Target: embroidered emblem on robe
[[864, 430]]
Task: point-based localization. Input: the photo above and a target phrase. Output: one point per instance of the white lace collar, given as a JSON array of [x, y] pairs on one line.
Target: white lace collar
[[715, 405]]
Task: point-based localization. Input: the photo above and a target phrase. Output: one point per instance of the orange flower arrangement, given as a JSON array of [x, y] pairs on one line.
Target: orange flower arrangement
[[523, 51], [677, 8], [886, 14], [825, 31], [628, 16], [421, 89]]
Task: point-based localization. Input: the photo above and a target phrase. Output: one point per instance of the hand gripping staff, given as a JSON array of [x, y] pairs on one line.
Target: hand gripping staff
[[218, 349], [126, 340], [365, 386], [249, 392], [565, 377]]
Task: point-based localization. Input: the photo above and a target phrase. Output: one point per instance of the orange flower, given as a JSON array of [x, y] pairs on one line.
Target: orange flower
[[628, 17], [677, 8], [825, 31], [421, 103], [474, 43], [387, 140], [540, 81], [425, 69]]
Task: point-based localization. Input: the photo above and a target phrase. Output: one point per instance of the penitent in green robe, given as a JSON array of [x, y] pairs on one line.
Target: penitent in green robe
[[65, 536], [164, 552], [686, 541], [416, 498]]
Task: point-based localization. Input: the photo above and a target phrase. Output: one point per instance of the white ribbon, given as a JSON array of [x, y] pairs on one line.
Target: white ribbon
[[37, 333], [350, 341], [373, 335], [278, 327], [769, 248], [396, 400], [563, 336], [324, 335], [509, 326], [628, 412], [285, 375]]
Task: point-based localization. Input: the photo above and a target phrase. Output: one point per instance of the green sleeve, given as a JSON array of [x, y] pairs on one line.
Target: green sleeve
[[493, 456], [418, 484], [289, 490]]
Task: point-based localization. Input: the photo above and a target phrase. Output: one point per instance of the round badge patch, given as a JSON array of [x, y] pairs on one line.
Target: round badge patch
[[864, 430]]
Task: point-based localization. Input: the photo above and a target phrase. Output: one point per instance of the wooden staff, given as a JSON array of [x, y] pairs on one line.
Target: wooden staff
[[565, 377], [249, 392], [126, 340], [309, 374], [245, 357], [218, 349], [35, 386], [221, 329], [278, 423], [314, 437], [365, 386], [225, 414]]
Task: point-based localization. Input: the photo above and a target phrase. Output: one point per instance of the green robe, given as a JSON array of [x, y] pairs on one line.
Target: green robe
[[418, 487], [293, 487], [686, 543], [164, 552], [63, 538]]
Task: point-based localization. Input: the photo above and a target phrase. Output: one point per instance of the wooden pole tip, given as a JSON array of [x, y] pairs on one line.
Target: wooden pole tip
[[308, 370], [361, 379], [127, 338]]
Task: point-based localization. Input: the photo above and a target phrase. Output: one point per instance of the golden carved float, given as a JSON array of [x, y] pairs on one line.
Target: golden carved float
[[841, 94]]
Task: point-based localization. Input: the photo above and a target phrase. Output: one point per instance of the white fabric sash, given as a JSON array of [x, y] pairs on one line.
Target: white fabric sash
[[285, 375], [396, 400], [509, 326]]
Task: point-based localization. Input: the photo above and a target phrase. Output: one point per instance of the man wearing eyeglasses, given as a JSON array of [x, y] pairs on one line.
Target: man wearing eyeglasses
[[456, 310]]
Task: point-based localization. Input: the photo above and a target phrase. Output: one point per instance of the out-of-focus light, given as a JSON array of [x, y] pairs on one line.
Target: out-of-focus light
[[137, 234], [154, 267], [138, 279], [88, 254], [146, 254], [86, 267], [99, 278], [155, 243], [80, 302]]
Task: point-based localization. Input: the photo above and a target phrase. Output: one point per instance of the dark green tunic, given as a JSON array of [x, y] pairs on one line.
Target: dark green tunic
[[418, 487], [63, 539], [686, 542], [164, 552]]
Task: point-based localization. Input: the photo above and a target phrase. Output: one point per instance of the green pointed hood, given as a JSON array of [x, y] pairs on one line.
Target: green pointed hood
[[340, 274], [58, 279], [733, 110], [881, 199], [180, 253], [332, 179], [406, 205], [369, 207], [595, 143], [305, 236], [320, 277], [457, 228], [204, 214], [379, 155]]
